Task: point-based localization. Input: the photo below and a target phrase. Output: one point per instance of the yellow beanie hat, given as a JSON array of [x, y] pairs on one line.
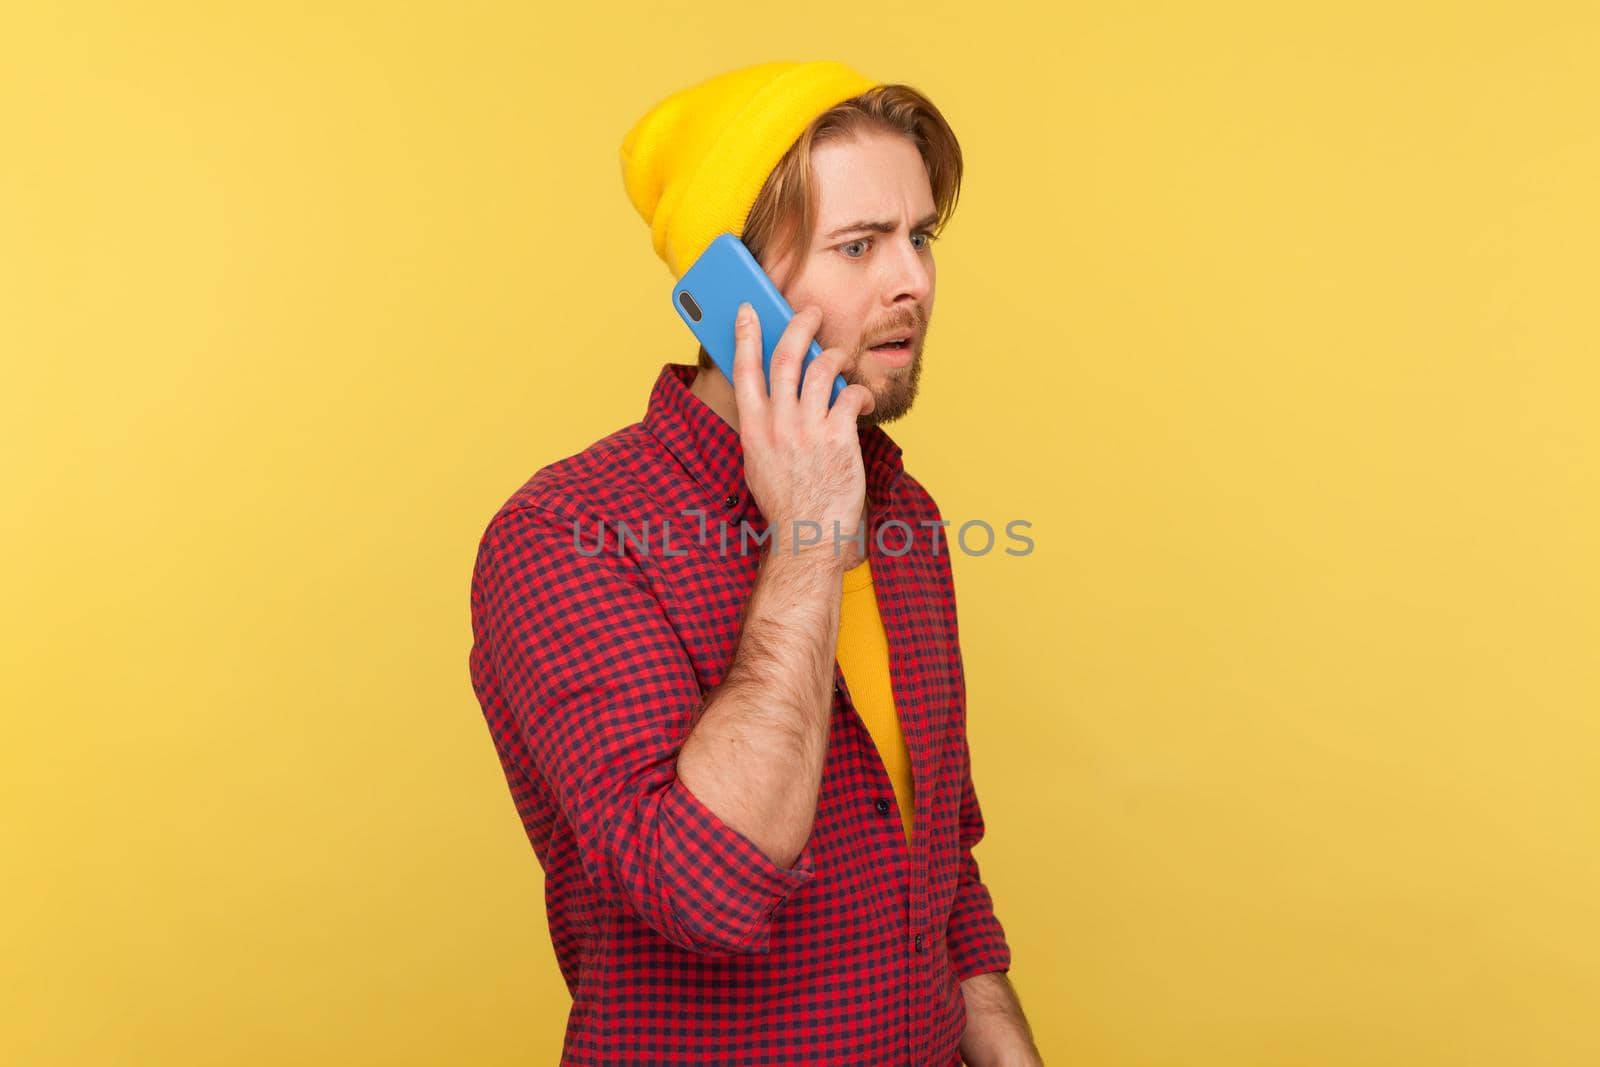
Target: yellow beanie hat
[[694, 165]]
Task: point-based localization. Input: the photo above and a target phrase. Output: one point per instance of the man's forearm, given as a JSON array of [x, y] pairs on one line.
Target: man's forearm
[[997, 1033], [755, 756]]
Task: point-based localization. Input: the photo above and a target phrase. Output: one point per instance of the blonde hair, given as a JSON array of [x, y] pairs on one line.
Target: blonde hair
[[785, 211]]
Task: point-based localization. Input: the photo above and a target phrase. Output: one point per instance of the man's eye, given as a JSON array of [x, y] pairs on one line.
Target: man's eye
[[928, 240]]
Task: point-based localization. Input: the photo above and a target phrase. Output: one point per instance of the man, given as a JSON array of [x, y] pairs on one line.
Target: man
[[738, 747]]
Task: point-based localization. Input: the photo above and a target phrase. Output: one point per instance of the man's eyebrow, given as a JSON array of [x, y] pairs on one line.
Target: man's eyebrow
[[879, 227]]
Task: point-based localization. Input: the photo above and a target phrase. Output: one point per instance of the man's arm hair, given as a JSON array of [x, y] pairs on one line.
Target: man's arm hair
[[997, 1029], [756, 756]]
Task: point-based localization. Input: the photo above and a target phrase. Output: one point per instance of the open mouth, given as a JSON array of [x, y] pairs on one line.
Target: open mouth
[[902, 342]]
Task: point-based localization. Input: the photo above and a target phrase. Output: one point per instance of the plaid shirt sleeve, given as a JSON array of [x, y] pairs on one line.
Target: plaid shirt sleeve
[[604, 695], [974, 937]]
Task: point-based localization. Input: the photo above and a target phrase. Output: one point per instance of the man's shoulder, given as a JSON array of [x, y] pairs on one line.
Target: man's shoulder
[[612, 476]]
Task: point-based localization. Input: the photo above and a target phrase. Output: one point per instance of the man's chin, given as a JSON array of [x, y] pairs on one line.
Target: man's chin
[[894, 389]]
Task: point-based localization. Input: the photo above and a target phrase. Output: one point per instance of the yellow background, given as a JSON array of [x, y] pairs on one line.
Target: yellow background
[[1277, 324]]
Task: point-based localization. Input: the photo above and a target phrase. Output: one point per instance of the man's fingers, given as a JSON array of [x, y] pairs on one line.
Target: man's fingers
[[749, 385], [855, 400], [784, 370], [817, 385]]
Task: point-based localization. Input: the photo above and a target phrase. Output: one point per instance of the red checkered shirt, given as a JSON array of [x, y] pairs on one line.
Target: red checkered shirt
[[594, 649]]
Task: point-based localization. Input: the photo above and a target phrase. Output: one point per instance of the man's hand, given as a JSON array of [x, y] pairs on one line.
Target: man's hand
[[997, 1033], [802, 460]]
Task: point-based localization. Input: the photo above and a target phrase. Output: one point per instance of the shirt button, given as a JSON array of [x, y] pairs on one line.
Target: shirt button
[[883, 807], [919, 942], [731, 500]]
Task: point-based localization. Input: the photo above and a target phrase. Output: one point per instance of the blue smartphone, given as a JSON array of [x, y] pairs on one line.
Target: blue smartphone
[[708, 297]]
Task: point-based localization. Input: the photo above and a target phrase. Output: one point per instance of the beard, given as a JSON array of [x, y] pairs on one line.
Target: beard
[[893, 396]]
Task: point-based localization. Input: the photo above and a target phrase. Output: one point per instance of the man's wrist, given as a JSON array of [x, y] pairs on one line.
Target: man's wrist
[[997, 1033], [823, 560]]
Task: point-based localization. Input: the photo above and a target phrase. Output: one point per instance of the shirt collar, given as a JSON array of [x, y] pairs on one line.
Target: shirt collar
[[711, 451]]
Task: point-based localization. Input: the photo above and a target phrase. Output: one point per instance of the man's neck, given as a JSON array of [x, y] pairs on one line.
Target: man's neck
[[716, 392]]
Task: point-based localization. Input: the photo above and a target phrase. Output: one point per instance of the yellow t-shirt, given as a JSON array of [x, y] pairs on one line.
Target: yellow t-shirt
[[864, 659]]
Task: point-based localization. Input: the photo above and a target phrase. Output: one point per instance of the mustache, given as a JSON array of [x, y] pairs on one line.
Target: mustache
[[912, 322]]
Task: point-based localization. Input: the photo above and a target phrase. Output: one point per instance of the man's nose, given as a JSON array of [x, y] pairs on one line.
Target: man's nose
[[911, 276]]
